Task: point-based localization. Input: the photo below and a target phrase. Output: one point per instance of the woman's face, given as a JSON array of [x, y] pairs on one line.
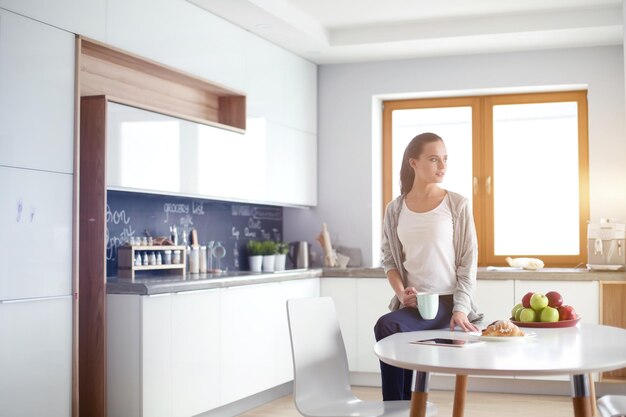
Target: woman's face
[[431, 165]]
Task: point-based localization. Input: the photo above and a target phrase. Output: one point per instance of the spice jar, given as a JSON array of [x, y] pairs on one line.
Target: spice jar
[[176, 259]]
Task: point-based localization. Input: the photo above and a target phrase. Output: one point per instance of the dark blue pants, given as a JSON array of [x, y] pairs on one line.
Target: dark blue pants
[[396, 382]]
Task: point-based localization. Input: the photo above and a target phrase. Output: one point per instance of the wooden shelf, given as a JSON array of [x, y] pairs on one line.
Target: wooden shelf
[[126, 267], [128, 79]]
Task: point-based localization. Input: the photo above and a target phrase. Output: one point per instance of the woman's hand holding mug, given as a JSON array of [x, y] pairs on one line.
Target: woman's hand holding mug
[[409, 297]]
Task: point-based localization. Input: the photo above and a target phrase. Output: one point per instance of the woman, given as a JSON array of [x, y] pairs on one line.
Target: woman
[[429, 245]]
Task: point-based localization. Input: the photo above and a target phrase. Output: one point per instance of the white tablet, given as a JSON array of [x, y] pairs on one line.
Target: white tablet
[[439, 341]]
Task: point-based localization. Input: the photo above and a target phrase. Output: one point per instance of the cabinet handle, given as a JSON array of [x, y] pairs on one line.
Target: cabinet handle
[[26, 300], [488, 185], [475, 185]]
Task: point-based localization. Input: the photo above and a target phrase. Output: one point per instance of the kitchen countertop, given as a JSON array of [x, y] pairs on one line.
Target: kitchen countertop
[[192, 282], [499, 273], [178, 283]]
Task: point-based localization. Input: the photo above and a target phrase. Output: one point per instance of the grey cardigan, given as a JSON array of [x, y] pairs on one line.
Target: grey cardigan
[[465, 249]]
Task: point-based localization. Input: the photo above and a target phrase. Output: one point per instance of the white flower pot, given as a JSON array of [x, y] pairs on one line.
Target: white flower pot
[[268, 263], [279, 263], [255, 263]]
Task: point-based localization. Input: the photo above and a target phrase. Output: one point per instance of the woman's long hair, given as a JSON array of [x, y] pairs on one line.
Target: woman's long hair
[[413, 150]]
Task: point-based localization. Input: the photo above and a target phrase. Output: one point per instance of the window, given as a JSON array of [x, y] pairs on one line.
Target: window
[[520, 159]]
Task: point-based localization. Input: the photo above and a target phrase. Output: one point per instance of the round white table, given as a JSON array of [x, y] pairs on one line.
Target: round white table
[[575, 351]]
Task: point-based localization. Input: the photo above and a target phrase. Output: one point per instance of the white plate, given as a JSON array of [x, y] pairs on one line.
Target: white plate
[[524, 338], [605, 267]]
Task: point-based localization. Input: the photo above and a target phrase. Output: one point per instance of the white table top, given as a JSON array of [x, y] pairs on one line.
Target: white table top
[[556, 351]]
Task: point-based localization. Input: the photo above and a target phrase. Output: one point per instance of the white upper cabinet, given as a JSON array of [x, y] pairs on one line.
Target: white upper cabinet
[[84, 17], [281, 87], [36, 223], [181, 35], [36, 106], [291, 166], [269, 164]]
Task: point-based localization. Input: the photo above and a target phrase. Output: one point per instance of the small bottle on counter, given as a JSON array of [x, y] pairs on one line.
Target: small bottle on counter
[[202, 259], [176, 257], [159, 259], [194, 260], [138, 259], [146, 261], [152, 258]]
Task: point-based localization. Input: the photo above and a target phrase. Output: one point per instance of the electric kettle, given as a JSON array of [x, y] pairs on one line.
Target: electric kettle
[[299, 254]]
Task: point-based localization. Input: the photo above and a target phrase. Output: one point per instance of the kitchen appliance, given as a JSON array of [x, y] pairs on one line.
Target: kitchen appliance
[[606, 248], [299, 254]]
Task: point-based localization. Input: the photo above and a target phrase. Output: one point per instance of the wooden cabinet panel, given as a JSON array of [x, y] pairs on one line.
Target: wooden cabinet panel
[[613, 313]]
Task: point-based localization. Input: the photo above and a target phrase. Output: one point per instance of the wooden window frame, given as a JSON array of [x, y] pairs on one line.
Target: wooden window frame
[[482, 163]]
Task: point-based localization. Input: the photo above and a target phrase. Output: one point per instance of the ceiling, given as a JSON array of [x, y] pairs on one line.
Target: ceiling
[[341, 31]]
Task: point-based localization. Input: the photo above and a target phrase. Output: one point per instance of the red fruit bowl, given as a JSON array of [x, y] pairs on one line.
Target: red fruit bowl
[[554, 324]]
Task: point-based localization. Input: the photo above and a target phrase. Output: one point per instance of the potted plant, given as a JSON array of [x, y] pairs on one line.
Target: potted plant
[[282, 249], [255, 255], [269, 255]]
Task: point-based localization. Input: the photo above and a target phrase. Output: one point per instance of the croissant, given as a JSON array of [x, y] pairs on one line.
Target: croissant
[[502, 328]]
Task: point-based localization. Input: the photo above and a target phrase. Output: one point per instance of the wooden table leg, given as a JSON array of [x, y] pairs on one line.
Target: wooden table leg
[[592, 396], [419, 396], [580, 395], [418, 404], [460, 389]]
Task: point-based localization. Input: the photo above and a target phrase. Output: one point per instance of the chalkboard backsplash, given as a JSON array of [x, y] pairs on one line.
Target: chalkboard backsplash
[[233, 224]]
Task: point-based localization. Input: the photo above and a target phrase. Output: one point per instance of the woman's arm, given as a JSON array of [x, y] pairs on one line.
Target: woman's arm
[[407, 296]]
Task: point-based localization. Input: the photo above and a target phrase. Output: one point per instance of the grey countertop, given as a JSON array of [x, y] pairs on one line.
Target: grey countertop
[[191, 282]]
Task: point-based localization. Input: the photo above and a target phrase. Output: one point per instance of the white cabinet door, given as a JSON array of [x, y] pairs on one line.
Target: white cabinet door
[[372, 300], [156, 352], [282, 353], [494, 299], [343, 292], [36, 357], [36, 221], [37, 100], [193, 40], [291, 166], [85, 17], [195, 352], [584, 296], [248, 330], [281, 86]]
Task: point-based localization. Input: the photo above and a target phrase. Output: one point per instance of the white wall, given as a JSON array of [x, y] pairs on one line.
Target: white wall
[[347, 142]]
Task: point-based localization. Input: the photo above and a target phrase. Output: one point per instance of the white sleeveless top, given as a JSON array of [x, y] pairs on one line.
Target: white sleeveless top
[[428, 248]]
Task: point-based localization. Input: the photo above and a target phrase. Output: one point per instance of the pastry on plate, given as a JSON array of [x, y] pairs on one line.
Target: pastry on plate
[[502, 328]]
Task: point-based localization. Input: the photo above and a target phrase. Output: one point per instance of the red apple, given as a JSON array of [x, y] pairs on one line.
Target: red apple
[[554, 299], [526, 299], [567, 313]]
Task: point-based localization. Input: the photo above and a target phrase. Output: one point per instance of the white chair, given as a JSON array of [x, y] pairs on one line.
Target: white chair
[[321, 378], [612, 406]]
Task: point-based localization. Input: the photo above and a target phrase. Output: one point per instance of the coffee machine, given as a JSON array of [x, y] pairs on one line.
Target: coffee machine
[[606, 250]]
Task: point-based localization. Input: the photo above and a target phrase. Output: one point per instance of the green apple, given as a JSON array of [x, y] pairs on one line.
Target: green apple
[[527, 315], [514, 310], [549, 314], [518, 313], [538, 301]]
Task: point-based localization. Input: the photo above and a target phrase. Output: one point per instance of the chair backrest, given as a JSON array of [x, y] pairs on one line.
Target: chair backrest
[[320, 364]]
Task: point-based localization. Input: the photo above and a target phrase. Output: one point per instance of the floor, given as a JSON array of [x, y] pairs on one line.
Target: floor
[[478, 404]]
